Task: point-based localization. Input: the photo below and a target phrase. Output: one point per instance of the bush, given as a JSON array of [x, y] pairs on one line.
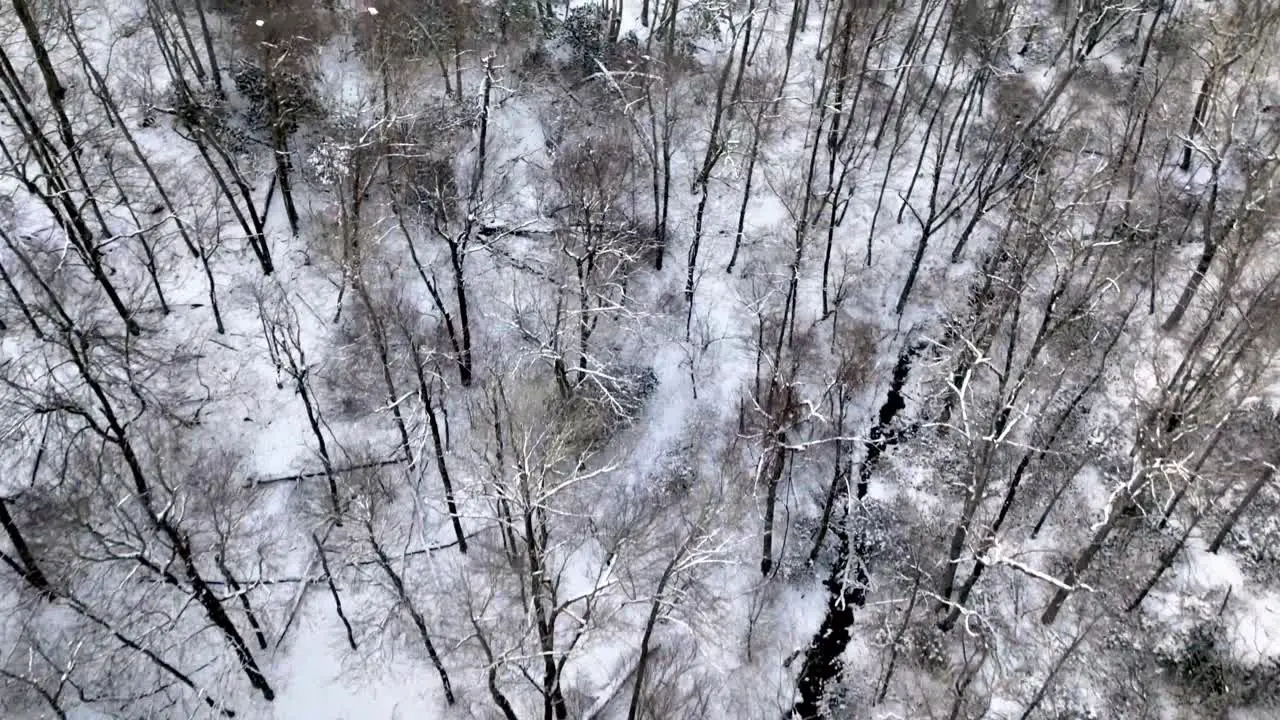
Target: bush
[[201, 110], [622, 392], [1199, 662], [1256, 537], [926, 645], [292, 101], [585, 31], [588, 38], [352, 384], [607, 402]]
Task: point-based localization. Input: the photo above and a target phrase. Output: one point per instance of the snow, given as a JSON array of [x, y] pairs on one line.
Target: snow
[[325, 683], [1204, 571], [742, 628], [1256, 633]]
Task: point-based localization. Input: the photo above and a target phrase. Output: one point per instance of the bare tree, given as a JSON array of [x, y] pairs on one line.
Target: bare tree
[[549, 476]]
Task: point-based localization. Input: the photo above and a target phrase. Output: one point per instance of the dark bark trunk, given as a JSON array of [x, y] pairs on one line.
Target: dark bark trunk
[[465, 367], [1198, 117], [245, 605], [27, 565], [213, 291], [251, 224], [464, 370], [214, 69], [553, 701], [84, 611], [193, 56], [384, 361], [711, 157], [58, 197], [148, 253], [22, 304], [178, 541], [839, 487], [491, 675], [655, 608], [313, 420], [1015, 482], [52, 699], [746, 189], [1167, 559], [218, 614], [1250, 495], [333, 591], [777, 461], [103, 93], [56, 93], [896, 645], [424, 394], [1085, 558], [418, 621], [1207, 255], [1061, 662], [284, 167]]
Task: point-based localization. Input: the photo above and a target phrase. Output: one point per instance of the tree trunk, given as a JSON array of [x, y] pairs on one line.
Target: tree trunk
[[193, 55], [419, 622], [896, 645], [1207, 255], [1015, 482], [1053, 673], [214, 69], [465, 366], [491, 675], [711, 157], [464, 369], [313, 421], [1115, 511], [115, 433], [655, 608], [283, 169], [58, 199], [84, 611], [839, 480], [27, 566], [777, 461], [243, 594], [56, 93], [553, 701], [1249, 496], [424, 394], [1198, 114], [17, 298], [103, 93], [333, 590]]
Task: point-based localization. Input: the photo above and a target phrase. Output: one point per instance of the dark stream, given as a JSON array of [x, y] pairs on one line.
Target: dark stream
[[822, 661]]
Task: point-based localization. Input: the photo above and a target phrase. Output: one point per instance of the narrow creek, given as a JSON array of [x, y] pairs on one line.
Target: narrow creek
[[847, 584]]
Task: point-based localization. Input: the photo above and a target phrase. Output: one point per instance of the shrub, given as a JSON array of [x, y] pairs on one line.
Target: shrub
[[1196, 663], [586, 33], [1199, 662], [288, 99], [607, 402]]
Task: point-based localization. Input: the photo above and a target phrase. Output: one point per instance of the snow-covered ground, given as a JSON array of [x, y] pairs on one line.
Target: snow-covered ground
[[625, 546]]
